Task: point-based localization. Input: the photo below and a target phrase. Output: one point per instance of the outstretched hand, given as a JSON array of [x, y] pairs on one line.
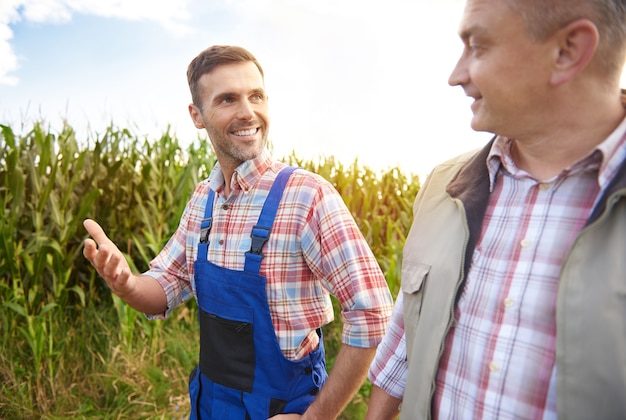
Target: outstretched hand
[[108, 260]]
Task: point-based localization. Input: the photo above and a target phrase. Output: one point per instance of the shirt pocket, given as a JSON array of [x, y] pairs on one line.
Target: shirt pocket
[[414, 276]]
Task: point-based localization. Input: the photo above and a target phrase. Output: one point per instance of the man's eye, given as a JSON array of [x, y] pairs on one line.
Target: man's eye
[[257, 97], [474, 46], [227, 100]]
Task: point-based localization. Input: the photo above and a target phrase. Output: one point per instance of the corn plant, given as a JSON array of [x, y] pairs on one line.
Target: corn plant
[[381, 204], [68, 347]]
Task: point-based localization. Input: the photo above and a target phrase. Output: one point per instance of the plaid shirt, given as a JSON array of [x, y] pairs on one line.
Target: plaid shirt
[[315, 248], [499, 358]]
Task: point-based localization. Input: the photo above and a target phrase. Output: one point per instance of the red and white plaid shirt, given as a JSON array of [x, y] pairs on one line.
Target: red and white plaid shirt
[[315, 248], [499, 359]]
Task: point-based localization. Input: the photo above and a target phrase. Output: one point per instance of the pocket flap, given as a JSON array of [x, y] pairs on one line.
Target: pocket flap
[[413, 277]]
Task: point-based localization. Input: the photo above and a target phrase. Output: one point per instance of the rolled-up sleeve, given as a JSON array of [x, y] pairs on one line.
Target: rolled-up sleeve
[[388, 370], [173, 266], [341, 258]]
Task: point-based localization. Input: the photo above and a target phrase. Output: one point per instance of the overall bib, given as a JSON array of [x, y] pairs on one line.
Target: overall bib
[[242, 373]]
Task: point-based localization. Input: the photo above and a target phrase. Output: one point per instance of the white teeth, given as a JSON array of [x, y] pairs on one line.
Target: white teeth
[[249, 132]]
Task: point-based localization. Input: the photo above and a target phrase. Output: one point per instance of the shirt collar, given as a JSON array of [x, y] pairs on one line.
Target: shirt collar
[[613, 151], [606, 158], [245, 176]]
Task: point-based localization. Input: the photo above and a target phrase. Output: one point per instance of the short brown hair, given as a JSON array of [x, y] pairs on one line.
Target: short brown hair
[[212, 57]]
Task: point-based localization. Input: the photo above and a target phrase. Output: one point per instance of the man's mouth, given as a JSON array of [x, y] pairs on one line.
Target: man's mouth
[[476, 101], [247, 132]]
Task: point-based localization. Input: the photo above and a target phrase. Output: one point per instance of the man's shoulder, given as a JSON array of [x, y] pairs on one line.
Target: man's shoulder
[[305, 177], [452, 166], [461, 159]]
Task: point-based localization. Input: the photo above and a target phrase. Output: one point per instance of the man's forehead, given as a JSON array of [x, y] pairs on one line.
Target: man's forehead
[[233, 76]]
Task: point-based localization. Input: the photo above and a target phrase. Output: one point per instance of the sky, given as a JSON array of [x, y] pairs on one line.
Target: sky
[[350, 79]]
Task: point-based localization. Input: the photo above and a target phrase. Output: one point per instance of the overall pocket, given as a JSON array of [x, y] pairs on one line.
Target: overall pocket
[[227, 355]]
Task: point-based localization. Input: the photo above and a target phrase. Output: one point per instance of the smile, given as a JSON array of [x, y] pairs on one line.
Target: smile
[[248, 132]]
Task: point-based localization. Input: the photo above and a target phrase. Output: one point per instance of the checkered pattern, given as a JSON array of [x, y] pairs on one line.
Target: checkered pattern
[[315, 248], [499, 358]]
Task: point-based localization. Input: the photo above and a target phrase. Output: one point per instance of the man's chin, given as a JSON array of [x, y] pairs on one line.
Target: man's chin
[[479, 124], [252, 152]]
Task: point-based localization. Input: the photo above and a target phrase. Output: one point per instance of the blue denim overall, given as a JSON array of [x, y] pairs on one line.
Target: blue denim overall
[[243, 373]]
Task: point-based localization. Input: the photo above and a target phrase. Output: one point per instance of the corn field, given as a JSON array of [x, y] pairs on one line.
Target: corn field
[[68, 347]]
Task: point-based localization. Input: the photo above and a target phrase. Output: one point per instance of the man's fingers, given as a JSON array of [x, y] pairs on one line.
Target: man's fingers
[[122, 281], [111, 263], [107, 259], [90, 249], [96, 231]]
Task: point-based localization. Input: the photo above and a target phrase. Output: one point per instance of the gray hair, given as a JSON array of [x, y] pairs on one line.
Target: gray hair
[[543, 17]]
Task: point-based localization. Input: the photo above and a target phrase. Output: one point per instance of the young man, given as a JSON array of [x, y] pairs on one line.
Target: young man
[[260, 247], [513, 300]]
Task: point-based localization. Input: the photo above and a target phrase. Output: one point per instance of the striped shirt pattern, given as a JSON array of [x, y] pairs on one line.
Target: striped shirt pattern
[[315, 248], [499, 358]]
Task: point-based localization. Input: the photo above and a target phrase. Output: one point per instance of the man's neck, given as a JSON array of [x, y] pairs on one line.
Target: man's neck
[[547, 154]]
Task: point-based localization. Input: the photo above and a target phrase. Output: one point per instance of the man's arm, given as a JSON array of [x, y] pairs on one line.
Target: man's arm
[[344, 380], [389, 368], [141, 292], [382, 406]]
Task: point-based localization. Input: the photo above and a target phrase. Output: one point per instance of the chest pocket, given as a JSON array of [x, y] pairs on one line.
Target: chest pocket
[[414, 277]]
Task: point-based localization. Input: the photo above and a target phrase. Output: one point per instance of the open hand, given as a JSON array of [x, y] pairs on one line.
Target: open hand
[[108, 260]]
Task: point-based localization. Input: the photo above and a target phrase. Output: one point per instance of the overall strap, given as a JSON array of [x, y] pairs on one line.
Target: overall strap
[[205, 227], [261, 232]]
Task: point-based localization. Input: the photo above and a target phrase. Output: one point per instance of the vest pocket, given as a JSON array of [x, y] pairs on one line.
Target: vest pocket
[[227, 351], [413, 282]]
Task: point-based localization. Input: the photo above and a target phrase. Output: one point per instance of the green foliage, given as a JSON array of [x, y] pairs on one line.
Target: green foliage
[[381, 204], [71, 349]]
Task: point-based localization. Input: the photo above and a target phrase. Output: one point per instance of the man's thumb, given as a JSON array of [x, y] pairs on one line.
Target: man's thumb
[[96, 231]]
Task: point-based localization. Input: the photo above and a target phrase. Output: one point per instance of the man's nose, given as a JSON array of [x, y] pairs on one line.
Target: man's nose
[[459, 75], [245, 110]]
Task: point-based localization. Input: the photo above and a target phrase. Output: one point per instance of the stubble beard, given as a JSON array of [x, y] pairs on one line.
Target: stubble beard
[[243, 154], [238, 153]]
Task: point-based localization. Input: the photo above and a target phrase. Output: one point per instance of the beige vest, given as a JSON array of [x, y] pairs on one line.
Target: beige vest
[[591, 303]]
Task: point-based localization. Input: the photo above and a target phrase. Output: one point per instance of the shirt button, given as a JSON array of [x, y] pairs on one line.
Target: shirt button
[[493, 366], [221, 242], [508, 302], [525, 243], [543, 187], [225, 206]]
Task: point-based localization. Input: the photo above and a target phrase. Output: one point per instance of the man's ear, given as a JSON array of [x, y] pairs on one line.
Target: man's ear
[[577, 43], [196, 116]]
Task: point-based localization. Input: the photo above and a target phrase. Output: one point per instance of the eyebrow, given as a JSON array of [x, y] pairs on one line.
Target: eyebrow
[[223, 95], [219, 98], [470, 31], [258, 90]]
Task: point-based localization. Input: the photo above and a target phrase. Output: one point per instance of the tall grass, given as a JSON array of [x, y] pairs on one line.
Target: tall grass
[[68, 348]]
